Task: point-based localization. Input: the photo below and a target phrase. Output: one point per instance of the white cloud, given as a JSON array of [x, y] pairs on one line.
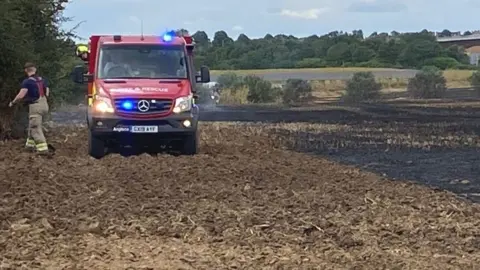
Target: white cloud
[[237, 28], [309, 14]]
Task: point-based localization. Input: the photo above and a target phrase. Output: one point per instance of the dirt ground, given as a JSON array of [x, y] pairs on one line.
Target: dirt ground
[[313, 192]]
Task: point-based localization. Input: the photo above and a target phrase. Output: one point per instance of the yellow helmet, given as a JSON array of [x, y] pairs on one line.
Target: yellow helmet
[[81, 49]]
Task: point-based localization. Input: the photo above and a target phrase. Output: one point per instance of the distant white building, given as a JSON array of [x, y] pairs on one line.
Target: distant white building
[[474, 58], [474, 54]]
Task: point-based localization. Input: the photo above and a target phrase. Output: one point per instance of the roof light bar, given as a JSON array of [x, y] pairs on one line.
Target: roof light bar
[[168, 36]]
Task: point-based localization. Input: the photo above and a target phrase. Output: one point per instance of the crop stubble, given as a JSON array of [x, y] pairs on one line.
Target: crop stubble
[[245, 202]]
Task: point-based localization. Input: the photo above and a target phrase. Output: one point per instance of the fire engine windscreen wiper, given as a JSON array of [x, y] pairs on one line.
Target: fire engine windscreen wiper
[[128, 78], [115, 80], [149, 78]]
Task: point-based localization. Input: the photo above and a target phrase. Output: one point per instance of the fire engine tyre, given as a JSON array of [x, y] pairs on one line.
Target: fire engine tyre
[[191, 144], [96, 147]]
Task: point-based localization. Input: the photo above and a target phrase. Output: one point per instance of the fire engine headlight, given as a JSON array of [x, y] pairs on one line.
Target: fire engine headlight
[[103, 105], [183, 104]]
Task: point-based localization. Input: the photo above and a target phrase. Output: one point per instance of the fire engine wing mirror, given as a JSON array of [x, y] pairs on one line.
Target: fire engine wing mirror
[[204, 76], [78, 75]]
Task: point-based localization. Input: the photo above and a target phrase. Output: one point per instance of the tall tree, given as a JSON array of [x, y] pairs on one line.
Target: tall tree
[[335, 48], [30, 31]]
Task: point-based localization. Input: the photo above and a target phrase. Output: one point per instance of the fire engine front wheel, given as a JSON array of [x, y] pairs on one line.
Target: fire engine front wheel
[[96, 147], [191, 144]]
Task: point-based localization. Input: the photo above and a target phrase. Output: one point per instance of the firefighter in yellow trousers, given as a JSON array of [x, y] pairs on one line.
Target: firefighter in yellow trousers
[[34, 92]]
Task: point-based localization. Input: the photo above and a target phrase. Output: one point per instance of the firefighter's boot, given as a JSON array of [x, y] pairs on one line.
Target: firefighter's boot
[[30, 144]]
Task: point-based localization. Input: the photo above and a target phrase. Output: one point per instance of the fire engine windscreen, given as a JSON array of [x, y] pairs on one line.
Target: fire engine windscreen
[[142, 61]]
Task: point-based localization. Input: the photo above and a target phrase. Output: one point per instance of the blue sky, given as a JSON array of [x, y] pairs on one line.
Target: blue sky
[[258, 17]]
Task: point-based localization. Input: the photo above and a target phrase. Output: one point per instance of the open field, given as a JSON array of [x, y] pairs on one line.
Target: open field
[[330, 82], [332, 86], [340, 73], [318, 74], [301, 70], [273, 188], [332, 91], [323, 92]]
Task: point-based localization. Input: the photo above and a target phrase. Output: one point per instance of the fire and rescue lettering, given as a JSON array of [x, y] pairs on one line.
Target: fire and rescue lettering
[[139, 89]]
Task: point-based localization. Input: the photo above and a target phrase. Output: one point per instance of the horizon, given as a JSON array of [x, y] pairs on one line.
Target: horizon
[[235, 37]]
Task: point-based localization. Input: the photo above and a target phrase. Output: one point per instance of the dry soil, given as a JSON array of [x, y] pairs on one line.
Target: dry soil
[[252, 199]]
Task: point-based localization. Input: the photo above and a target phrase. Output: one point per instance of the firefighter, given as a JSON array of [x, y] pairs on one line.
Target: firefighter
[[117, 60], [82, 52], [33, 92]]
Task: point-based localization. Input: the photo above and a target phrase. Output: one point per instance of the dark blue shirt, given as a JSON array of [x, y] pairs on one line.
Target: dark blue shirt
[[33, 91]]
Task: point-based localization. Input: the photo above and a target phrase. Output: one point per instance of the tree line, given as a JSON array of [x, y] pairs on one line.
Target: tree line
[[30, 31], [448, 33], [335, 49]]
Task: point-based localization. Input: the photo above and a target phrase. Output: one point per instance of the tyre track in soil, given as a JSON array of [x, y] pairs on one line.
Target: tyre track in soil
[[245, 202]]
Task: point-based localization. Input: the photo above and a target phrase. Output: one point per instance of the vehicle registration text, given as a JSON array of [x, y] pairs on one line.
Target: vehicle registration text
[[144, 129]]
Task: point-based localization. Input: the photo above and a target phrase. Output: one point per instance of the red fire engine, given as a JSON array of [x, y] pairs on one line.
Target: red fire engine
[[141, 92]]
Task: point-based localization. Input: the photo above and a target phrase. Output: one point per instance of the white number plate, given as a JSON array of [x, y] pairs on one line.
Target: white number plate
[[144, 129]]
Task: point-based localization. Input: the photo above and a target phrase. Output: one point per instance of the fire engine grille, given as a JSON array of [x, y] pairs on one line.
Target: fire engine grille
[[143, 106]]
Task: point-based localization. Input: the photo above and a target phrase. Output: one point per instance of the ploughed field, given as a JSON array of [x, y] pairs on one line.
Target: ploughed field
[[254, 198]]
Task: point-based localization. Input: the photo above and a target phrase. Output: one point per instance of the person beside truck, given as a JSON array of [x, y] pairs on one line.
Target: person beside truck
[[34, 92]]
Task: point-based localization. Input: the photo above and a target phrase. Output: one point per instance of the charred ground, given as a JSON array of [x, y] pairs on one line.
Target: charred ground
[[263, 195]]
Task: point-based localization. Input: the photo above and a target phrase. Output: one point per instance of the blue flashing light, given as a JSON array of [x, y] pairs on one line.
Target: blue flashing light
[[168, 36], [127, 105]]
